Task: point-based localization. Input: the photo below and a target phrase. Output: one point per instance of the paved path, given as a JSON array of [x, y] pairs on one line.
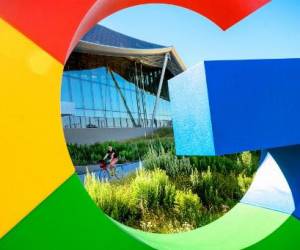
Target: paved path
[[127, 169]]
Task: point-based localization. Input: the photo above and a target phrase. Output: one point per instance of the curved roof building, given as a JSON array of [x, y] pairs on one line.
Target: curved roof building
[[106, 42], [112, 80]]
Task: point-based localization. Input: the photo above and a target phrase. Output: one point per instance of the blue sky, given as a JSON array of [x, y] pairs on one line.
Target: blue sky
[[271, 32]]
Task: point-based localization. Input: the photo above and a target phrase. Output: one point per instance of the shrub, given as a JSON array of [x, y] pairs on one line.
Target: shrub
[[158, 151], [244, 182], [165, 160], [131, 150], [114, 200], [170, 194], [152, 189], [216, 189], [187, 207]]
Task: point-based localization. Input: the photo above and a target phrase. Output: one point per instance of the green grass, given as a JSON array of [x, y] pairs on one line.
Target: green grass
[[149, 201], [130, 150], [170, 194]]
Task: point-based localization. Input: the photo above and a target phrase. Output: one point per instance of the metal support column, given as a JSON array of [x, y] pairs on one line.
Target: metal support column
[[137, 94], [143, 96], [122, 97], [167, 57]]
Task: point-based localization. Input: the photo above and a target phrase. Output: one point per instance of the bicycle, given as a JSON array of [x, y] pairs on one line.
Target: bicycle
[[107, 171]]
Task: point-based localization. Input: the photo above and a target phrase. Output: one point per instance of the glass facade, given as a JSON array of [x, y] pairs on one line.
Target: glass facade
[[98, 101]]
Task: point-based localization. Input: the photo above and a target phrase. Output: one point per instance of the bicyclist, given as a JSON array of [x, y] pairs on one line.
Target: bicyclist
[[112, 158]]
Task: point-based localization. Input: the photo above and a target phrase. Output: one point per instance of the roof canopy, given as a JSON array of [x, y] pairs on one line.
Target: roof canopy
[[127, 56], [148, 57], [105, 36], [102, 41]]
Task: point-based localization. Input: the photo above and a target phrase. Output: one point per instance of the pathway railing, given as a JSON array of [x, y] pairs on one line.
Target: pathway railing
[[102, 122]]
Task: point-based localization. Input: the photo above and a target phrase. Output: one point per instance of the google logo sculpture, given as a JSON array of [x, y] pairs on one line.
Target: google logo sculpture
[[236, 106]]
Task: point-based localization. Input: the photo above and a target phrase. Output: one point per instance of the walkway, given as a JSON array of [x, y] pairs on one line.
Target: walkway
[[127, 169]]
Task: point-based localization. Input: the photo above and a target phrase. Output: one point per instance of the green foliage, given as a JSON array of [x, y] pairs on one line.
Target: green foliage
[[115, 200], [163, 132], [145, 200], [187, 207], [216, 185], [246, 162], [244, 182], [217, 189], [170, 194], [153, 189], [157, 151], [165, 160], [129, 151]]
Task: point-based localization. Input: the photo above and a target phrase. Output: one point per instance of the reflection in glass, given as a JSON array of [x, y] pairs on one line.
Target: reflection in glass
[[98, 101]]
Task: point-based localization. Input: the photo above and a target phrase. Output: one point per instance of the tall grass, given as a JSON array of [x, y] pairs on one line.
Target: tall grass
[[166, 160], [170, 194], [115, 200], [147, 202], [151, 200], [153, 190], [217, 186]]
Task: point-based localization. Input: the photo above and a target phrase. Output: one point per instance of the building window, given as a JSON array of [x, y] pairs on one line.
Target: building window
[[98, 101]]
